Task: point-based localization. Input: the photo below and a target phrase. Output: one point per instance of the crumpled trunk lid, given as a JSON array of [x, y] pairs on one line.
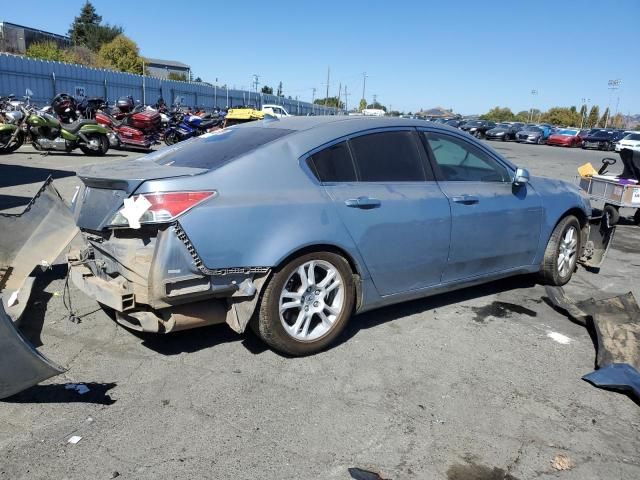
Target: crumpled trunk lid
[[106, 186]]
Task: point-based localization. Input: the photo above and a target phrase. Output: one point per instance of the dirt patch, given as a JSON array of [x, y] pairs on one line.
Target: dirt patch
[[500, 310], [474, 471]]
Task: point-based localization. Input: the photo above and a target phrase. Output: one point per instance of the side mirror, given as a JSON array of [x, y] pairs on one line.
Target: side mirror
[[521, 177]]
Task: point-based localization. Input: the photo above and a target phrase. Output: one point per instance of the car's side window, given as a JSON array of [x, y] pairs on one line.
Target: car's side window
[[388, 157], [461, 161], [333, 164]]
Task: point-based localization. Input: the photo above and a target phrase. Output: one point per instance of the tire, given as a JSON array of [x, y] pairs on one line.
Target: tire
[[305, 333], [553, 272], [504, 138], [103, 145], [612, 212], [17, 143], [636, 217], [171, 138], [540, 141]]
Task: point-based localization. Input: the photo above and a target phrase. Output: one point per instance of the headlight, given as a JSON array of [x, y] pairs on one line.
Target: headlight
[[473, 129]]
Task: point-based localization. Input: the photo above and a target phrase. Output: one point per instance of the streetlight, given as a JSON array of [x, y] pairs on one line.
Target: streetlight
[[613, 86], [534, 93]]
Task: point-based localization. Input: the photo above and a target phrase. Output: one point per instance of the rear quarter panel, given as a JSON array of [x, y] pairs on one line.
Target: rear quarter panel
[[267, 208]]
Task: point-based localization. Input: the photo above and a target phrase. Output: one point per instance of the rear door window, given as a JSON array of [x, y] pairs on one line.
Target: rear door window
[[388, 157], [212, 150], [333, 164]]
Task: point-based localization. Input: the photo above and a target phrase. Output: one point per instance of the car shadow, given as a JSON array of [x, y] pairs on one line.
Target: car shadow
[[12, 201], [384, 315], [189, 341], [34, 314], [65, 393]]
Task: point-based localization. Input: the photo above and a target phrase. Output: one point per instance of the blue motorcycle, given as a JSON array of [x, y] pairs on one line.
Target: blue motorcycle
[[183, 126]]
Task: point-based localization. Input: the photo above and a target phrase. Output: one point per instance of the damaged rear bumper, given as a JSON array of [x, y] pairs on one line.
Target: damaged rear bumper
[[155, 282]]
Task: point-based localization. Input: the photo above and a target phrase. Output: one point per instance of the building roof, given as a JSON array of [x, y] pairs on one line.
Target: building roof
[[15, 25], [168, 63]]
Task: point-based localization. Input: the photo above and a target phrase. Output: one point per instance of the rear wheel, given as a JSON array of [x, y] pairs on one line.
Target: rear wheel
[[306, 304], [97, 146], [561, 254], [171, 137], [636, 217]]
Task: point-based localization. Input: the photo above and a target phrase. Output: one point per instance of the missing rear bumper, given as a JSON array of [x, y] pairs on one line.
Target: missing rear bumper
[[597, 236]]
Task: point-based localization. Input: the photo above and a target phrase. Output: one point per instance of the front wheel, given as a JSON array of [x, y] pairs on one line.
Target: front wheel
[[562, 252], [8, 145], [171, 137], [97, 146], [306, 304]]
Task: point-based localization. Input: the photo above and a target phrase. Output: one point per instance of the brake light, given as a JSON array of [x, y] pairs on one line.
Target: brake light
[[159, 207]]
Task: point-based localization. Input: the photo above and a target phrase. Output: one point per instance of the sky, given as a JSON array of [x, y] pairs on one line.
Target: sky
[[467, 55]]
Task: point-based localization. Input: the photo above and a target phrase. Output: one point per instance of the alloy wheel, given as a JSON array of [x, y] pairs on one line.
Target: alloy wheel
[[312, 299], [567, 252]]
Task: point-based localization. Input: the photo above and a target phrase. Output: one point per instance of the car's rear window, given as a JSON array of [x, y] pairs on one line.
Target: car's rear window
[[212, 150]]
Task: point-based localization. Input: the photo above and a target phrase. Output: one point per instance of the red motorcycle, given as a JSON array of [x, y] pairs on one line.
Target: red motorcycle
[[130, 126]]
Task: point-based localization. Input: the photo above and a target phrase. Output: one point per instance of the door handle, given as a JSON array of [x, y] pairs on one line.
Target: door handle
[[466, 199], [364, 203]]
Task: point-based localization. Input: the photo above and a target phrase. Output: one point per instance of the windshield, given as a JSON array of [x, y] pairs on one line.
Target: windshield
[[475, 123], [632, 136], [212, 150], [567, 132], [532, 129], [503, 125]]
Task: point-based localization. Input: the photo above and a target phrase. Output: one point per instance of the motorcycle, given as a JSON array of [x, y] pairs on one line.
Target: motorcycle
[[184, 126], [47, 133], [135, 126], [11, 135]]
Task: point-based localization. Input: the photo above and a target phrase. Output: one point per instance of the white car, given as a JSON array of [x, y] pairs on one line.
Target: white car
[[275, 110], [631, 141]]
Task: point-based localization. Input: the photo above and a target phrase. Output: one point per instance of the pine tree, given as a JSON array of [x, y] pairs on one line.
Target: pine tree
[[592, 119], [279, 91], [88, 30], [604, 120]]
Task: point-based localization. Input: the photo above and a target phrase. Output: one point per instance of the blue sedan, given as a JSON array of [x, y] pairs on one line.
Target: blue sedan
[[292, 226]]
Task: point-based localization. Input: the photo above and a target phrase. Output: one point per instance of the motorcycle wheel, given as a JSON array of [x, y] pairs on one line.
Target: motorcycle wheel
[[13, 146], [103, 145], [171, 138]]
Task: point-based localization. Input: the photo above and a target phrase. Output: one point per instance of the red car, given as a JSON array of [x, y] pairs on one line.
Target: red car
[[567, 137]]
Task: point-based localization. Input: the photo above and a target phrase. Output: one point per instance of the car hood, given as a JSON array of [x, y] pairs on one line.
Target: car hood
[[529, 134], [498, 130], [106, 186], [562, 138]]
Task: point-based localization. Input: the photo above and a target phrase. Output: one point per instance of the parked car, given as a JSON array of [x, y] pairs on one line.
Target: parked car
[[566, 137], [293, 226], [477, 128], [534, 134], [455, 123], [631, 141], [504, 131], [275, 110], [600, 139]]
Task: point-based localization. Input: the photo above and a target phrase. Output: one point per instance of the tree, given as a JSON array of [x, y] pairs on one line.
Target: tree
[[362, 105], [279, 92], [121, 54], [604, 120], [592, 118], [88, 30], [198, 80], [47, 50], [82, 55], [498, 114], [177, 76], [329, 102], [267, 90], [521, 116], [562, 116], [378, 106]]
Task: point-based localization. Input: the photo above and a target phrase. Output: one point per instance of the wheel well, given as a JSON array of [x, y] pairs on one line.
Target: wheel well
[[322, 248], [576, 212]]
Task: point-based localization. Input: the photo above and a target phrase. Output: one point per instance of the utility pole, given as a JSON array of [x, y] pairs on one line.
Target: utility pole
[[374, 100], [364, 82], [613, 86], [534, 93], [313, 94], [339, 95], [326, 98], [346, 99]]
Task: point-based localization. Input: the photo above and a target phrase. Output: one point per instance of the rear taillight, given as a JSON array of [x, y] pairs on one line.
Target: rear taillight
[[159, 207]]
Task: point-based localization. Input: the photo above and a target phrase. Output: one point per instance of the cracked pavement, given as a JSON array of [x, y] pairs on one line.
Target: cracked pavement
[[461, 385]]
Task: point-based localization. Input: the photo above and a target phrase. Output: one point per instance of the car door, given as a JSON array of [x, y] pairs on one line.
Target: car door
[[383, 189], [495, 225]]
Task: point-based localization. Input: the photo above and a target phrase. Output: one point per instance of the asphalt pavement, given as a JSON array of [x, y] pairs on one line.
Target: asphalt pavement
[[466, 385]]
